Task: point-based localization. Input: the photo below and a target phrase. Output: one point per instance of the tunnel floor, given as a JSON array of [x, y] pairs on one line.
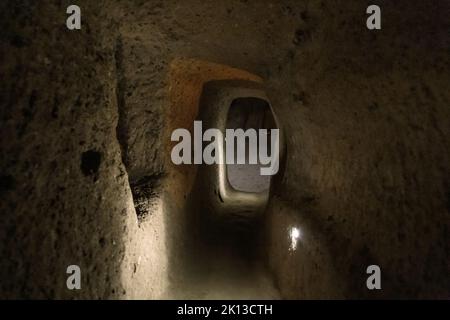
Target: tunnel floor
[[222, 274], [222, 260]]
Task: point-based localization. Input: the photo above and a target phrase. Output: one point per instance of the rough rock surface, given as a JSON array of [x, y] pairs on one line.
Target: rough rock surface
[[366, 116], [64, 187]]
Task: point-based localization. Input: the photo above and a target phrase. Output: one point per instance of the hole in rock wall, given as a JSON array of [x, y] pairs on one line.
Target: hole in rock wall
[[90, 162]]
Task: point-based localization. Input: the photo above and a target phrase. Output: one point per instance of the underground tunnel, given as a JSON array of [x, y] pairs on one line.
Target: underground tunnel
[[340, 188]]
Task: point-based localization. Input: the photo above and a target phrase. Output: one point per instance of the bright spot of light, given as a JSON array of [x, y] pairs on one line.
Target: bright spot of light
[[294, 235]]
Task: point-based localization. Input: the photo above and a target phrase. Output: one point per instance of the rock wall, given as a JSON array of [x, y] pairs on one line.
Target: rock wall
[[365, 113], [367, 175], [66, 197]]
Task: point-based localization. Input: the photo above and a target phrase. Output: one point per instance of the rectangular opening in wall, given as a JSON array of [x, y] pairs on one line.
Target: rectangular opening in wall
[[245, 114]]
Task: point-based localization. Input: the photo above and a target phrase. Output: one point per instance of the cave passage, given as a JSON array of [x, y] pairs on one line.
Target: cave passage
[[86, 176], [225, 249]]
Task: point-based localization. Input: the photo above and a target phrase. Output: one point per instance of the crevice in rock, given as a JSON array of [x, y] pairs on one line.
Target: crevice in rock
[[145, 192], [144, 189], [121, 130]]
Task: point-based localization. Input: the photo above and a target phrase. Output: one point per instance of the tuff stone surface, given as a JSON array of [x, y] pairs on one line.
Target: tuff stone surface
[[82, 136]]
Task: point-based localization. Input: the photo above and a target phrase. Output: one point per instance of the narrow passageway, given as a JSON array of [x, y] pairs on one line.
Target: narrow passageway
[[224, 255], [224, 264], [87, 178], [225, 259]]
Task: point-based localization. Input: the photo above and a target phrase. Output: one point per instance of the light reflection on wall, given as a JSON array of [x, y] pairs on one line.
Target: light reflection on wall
[[294, 235]]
